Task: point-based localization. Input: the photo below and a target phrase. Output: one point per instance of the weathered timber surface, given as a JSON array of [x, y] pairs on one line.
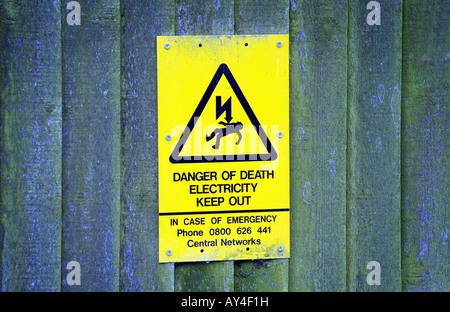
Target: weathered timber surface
[[373, 155], [141, 23], [261, 275], [91, 146], [369, 125], [425, 146], [261, 17], [254, 17], [318, 106], [197, 18], [30, 146]]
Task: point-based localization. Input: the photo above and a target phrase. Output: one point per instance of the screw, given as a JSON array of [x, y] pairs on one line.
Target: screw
[[280, 134], [169, 252], [280, 248], [279, 44], [168, 137], [167, 46]]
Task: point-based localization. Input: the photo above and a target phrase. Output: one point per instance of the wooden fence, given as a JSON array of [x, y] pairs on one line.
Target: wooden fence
[[369, 128]]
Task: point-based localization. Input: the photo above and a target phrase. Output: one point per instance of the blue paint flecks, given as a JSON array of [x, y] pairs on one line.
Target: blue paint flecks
[[216, 4], [380, 93], [300, 133], [334, 153], [231, 19], [395, 106], [373, 101], [287, 16], [293, 5], [183, 20], [130, 268], [307, 193], [109, 245], [378, 146], [301, 44], [226, 284], [332, 165]]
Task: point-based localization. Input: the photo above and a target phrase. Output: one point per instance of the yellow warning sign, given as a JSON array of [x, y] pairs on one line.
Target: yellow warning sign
[[223, 147]]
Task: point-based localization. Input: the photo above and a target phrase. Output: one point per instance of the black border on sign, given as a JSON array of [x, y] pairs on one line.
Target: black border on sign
[[270, 156], [222, 211]]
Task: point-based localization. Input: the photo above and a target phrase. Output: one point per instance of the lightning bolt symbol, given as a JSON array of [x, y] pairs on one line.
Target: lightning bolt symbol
[[225, 108]]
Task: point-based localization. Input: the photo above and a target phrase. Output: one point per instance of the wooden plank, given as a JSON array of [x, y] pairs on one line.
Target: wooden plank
[[261, 17], [318, 35], [196, 18], [261, 275], [30, 148], [91, 145], [199, 18], [425, 156], [141, 23], [373, 155]]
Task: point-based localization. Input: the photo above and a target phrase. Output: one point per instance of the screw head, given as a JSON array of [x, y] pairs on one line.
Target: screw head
[[279, 44], [280, 134], [169, 252], [168, 137], [280, 248], [167, 46]]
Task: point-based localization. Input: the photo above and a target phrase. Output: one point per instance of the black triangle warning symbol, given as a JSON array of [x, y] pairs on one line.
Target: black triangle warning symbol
[[223, 70]]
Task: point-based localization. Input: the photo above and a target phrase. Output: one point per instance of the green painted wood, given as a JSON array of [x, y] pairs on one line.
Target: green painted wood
[[373, 154], [78, 166], [261, 276], [318, 105], [214, 17], [30, 148], [91, 145], [425, 156], [196, 18], [261, 17], [140, 268]]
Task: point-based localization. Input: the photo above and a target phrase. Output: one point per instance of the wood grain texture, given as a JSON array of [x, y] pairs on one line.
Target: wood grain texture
[[142, 21], [30, 146], [254, 18], [425, 148], [204, 18], [261, 275], [211, 17], [261, 17], [318, 104], [369, 125], [373, 155], [91, 146]]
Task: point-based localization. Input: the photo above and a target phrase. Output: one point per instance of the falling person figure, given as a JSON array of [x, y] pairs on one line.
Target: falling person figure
[[230, 128]]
